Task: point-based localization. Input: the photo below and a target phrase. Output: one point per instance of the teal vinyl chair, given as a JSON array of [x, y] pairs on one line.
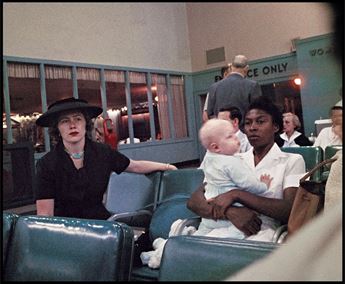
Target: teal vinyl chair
[[311, 155], [175, 189], [330, 151], [200, 258], [68, 249], [131, 197], [8, 223]]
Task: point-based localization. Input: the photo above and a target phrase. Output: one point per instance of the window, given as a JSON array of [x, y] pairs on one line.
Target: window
[[25, 104], [179, 106], [156, 100]]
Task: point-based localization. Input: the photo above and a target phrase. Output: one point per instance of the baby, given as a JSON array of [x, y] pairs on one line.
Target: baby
[[224, 170]]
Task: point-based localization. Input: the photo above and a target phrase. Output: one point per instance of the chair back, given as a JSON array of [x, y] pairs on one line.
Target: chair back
[[130, 192], [8, 223], [331, 150], [182, 182], [200, 258], [176, 188], [311, 155], [69, 249]]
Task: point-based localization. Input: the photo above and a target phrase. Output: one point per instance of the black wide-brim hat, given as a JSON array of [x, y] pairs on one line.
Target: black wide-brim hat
[[50, 117]]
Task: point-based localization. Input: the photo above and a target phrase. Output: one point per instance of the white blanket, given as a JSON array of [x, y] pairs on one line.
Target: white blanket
[[153, 258]]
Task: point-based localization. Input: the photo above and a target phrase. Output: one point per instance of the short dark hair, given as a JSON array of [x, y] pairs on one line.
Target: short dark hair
[[224, 69], [265, 103], [234, 112], [337, 108]]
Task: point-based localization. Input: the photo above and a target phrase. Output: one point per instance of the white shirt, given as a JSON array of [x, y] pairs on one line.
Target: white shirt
[[245, 145], [206, 102], [327, 137], [286, 170], [290, 142]]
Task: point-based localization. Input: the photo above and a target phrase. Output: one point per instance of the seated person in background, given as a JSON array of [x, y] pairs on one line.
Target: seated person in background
[[225, 171], [291, 137], [262, 121], [233, 114], [332, 135], [98, 130], [72, 178]]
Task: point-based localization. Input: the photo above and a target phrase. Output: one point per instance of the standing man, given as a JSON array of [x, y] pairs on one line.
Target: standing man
[[225, 73], [235, 90]]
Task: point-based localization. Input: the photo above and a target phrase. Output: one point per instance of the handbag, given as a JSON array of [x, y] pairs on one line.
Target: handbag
[[309, 199]]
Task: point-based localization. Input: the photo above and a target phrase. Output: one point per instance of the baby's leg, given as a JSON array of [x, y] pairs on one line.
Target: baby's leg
[[203, 230]]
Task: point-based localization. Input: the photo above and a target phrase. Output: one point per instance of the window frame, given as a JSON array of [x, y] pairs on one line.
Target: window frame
[[148, 73]]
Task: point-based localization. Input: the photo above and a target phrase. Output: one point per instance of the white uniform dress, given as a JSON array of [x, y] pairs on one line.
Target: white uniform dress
[[286, 170]]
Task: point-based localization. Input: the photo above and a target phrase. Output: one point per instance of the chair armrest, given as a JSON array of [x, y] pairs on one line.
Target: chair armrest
[[193, 221], [118, 216], [280, 234], [140, 218]]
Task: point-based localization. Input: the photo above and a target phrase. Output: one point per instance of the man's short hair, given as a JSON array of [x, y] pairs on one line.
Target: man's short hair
[[224, 70], [240, 61], [234, 112]]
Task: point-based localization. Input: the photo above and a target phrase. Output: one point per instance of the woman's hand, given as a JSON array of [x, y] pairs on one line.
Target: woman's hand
[[244, 219], [221, 203]]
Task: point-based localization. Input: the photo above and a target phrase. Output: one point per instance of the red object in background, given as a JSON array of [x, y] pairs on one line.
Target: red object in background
[[109, 133]]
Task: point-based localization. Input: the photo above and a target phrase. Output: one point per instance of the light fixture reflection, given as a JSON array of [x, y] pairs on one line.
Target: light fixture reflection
[[297, 81]]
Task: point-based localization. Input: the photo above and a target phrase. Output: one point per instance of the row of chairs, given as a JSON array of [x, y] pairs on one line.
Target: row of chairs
[[38, 248], [313, 156], [169, 192], [151, 202], [53, 248]]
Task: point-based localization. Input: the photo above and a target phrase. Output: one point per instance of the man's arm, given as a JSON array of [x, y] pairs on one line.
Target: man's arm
[[211, 100]]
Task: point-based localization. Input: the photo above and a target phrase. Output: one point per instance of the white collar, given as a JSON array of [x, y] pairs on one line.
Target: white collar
[[233, 72], [294, 135]]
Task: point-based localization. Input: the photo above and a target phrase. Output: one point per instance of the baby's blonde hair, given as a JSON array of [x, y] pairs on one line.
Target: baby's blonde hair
[[211, 130]]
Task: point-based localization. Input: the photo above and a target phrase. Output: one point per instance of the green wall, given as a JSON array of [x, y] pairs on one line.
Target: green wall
[[321, 78], [313, 61]]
